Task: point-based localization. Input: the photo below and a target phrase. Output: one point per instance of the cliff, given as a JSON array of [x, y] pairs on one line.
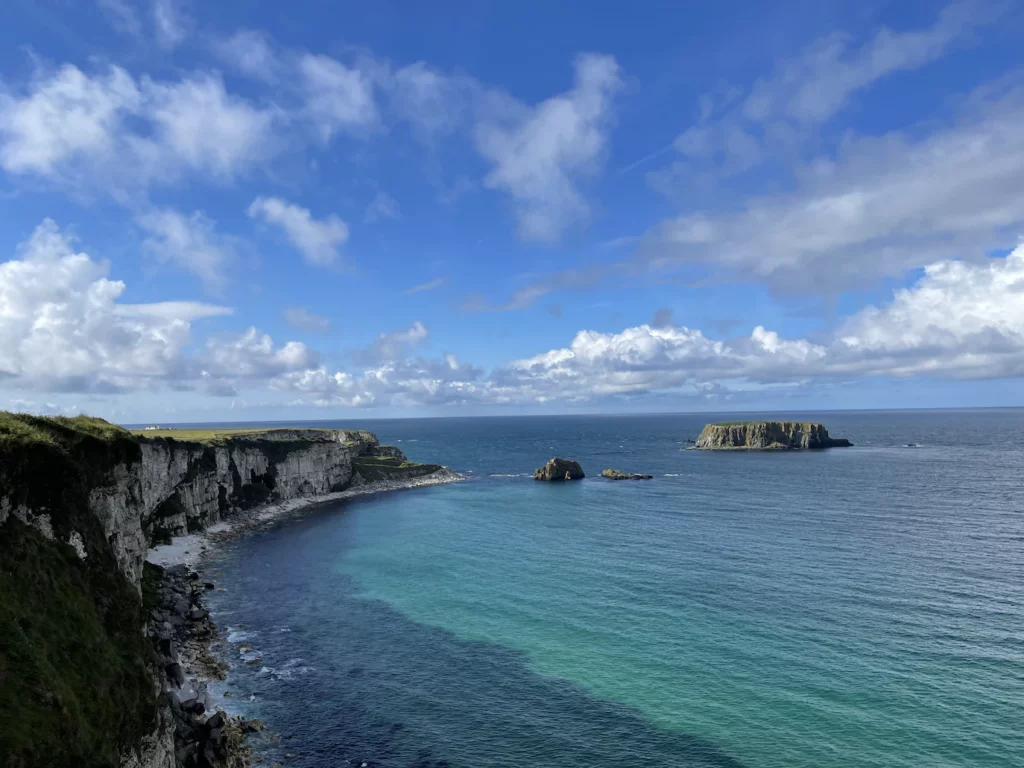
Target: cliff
[[81, 502], [767, 436]]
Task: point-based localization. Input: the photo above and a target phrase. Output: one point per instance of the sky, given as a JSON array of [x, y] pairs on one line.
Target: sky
[[313, 210]]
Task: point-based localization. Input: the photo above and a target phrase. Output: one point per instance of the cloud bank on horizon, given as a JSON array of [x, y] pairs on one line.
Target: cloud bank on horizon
[[210, 221]]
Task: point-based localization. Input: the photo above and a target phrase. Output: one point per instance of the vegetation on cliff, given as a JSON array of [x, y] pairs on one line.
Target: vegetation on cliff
[[377, 468], [74, 686]]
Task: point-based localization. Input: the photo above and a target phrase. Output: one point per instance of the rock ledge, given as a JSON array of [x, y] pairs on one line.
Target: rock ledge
[[614, 474]]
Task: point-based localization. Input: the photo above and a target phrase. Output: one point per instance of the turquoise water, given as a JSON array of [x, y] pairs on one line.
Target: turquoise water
[[856, 607]]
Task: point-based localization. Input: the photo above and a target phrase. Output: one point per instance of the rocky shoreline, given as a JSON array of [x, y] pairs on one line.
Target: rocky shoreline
[[188, 646]]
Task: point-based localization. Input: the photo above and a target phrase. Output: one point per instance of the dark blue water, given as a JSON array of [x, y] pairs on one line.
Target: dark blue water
[[854, 607]]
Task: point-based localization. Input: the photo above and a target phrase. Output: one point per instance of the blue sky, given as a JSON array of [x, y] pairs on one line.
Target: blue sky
[[221, 211]]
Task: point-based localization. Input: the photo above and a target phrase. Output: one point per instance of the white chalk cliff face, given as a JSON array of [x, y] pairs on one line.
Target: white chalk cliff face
[[179, 487]]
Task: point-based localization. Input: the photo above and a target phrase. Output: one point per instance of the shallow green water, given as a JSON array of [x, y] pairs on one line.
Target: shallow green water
[[858, 607]]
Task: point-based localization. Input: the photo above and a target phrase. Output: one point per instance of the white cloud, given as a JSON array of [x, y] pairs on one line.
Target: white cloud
[[254, 355], [435, 104], [736, 132], [170, 23], [207, 129], [959, 321], [110, 132], [304, 320], [122, 16], [818, 84], [430, 285], [189, 242], [63, 328], [539, 153], [883, 206], [318, 241], [65, 116], [338, 98], [408, 382], [251, 53], [391, 346], [383, 206]]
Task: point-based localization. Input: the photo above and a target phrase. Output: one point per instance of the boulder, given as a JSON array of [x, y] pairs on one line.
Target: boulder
[[176, 674], [767, 436], [614, 474], [560, 469]]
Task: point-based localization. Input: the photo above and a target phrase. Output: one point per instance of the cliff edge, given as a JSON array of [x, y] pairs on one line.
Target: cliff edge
[[81, 503], [767, 436]]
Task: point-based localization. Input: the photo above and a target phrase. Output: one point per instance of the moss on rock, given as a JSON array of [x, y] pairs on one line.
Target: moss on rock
[[74, 685]]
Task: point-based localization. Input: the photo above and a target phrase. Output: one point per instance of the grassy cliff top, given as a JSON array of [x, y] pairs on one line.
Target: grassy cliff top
[[220, 435], [23, 428], [760, 421]]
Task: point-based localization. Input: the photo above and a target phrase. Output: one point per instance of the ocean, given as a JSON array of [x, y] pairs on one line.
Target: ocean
[[853, 607]]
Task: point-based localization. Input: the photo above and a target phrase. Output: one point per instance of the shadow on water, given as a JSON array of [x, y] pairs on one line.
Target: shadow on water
[[354, 680]]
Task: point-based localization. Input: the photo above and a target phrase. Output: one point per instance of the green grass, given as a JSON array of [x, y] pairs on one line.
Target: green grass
[[73, 680], [748, 423], [23, 428], [219, 436], [375, 468]]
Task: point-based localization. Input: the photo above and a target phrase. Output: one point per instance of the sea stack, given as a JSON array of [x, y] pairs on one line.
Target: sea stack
[[767, 436], [560, 469], [614, 474]]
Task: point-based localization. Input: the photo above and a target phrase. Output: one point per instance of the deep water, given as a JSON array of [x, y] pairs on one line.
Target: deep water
[[853, 607]]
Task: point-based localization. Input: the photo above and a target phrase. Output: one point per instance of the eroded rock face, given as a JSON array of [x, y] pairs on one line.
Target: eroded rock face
[[614, 474], [180, 487], [560, 469], [767, 436]]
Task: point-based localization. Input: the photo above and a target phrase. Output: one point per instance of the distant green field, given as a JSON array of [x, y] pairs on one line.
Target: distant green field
[[375, 468], [203, 435], [744, 423], [220, 435]]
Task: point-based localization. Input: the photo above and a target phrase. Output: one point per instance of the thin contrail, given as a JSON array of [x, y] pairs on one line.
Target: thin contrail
[[642, 160]]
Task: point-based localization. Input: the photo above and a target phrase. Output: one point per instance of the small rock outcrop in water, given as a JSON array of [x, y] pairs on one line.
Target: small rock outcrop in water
[[767, 436], [560, 469], [614, 474]]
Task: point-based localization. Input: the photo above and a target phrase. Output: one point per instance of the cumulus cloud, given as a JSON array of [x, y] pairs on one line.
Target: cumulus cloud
[[405, 382], [538, 153], [317, 240], [252, 354], [111, 132], [390, 346], [304, 320], [63, 328], [189, 242], [960, 320]]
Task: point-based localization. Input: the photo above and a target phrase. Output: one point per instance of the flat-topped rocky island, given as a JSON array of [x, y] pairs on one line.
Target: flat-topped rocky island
[[767, 436]]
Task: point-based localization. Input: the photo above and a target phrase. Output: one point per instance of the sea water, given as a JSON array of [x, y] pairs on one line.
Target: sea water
[[852, 607]]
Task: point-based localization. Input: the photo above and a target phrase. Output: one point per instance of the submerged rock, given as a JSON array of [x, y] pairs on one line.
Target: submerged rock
[[614, 474], [560, 469], [767, 436]]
